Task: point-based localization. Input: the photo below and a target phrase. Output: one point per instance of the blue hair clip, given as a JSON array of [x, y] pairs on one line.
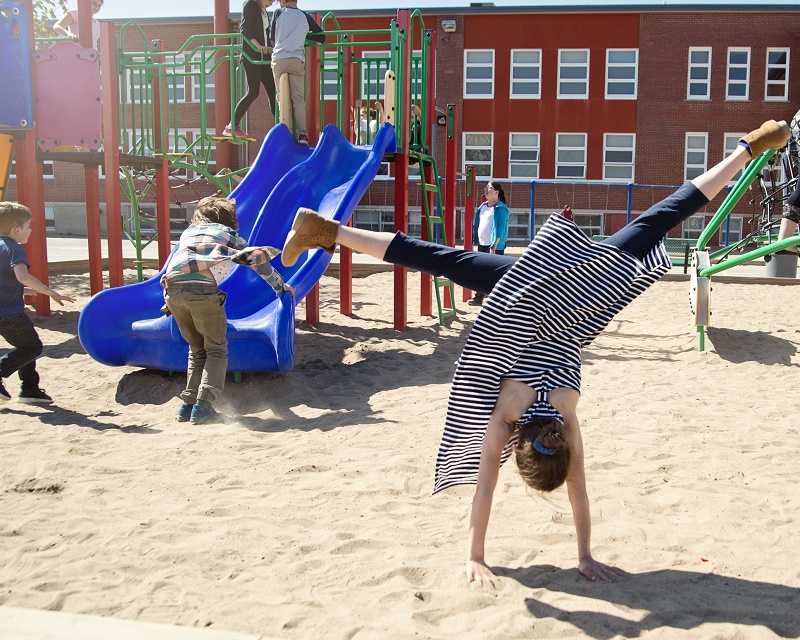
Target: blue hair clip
[[542, 449]]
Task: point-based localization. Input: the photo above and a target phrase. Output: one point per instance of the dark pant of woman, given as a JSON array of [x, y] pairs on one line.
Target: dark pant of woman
[[256, 74], [481, 271]]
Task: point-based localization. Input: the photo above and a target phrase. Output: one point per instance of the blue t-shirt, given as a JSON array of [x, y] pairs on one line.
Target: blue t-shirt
[[12, 292]]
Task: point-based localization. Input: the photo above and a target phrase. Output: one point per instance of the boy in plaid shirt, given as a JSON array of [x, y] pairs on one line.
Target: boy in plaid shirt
[[203, 258]]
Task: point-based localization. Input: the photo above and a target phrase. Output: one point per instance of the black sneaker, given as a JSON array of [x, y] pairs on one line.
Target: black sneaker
[[4, 395], [35, 395], [475, 301]]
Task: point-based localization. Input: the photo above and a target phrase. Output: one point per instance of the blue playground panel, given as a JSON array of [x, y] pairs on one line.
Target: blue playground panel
[[124, 326], [16, 98]]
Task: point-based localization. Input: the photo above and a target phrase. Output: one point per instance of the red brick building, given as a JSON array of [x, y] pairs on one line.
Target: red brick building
[[609, 95]]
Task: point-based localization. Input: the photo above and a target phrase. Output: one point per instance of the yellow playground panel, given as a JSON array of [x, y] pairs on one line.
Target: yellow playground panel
[[6, 153]]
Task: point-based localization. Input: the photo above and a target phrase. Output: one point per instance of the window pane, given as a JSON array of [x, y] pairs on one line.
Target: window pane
[[569, 171], [479, 139], [479, 73], [572, 88], [738, 57], [525, 57], [614, 172], [699, 57], [530, 171], [480, 57], [698, 73], [574, 57], [524, 73], [572, 73], [776, 57], [569, 140], [621, 73], [619, 156]]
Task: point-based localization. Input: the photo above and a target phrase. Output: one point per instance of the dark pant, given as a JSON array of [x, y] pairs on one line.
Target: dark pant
[[484, 248], [256, 74], [20, 333], [481, 271]]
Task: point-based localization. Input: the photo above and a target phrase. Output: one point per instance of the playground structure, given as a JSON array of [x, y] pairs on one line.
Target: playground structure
[[139, 117], [705, 263]]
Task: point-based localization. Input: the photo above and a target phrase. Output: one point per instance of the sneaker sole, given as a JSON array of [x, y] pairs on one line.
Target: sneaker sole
[[34, 401], [3, 399]]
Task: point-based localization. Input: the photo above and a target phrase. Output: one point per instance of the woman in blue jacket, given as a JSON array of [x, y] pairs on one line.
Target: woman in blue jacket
[[490, 227]]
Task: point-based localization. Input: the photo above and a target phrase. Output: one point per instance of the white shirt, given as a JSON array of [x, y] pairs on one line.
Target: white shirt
[[486, 224]]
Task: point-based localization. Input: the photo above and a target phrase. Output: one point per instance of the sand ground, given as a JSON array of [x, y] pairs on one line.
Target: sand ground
[[308, 515]]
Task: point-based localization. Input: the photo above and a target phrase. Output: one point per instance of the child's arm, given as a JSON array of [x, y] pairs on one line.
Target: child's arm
[[496, 438], [62, 27], [579, 499], [32, 283]]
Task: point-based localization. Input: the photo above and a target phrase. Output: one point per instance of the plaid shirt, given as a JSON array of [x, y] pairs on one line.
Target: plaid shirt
[[204, 245]]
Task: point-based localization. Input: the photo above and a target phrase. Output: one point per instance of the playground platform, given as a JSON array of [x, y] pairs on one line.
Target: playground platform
[[72, 254]]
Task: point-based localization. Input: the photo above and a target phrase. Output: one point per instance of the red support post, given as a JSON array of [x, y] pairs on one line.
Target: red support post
[[222, 82], [469, 214], [108, 58], [312, 305], [85, 24], [401, 170], [92, 190], [346, 278], [163, 226]]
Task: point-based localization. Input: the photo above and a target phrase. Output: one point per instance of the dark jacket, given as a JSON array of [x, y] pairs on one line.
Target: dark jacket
[[252, 26]]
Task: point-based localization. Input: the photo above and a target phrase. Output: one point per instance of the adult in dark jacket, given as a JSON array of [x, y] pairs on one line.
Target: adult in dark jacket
[[254, 27]]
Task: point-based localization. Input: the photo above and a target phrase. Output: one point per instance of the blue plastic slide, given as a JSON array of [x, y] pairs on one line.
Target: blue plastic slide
[[124, 326]]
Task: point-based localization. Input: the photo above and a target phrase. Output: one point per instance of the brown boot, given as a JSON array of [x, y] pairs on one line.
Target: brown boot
[[309, 231], [770, 135]]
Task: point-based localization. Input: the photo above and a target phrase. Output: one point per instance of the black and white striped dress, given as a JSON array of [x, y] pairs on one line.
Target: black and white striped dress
[[554, 301]]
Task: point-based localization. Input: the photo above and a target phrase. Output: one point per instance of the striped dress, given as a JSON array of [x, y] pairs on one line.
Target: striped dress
[[554, 301]]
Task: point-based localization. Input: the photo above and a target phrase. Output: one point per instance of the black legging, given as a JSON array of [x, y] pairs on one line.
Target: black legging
[[481, 271], [256, 74]]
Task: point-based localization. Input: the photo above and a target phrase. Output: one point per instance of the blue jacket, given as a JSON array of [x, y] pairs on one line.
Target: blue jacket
[[500, 229]]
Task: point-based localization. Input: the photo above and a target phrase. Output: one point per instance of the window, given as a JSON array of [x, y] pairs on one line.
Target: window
[[478, 153], [573, 73], [699, 84], [205, 155], [372, 68], [738, 74], [731, 143], [202, 78], [175, 79], [330, 78], [696, 155], [570, 156], [692, 227], [479, 73], [777, 87], [526, 73], [49, 217], [735, 224], [523, 156], [622, 66], [138, 87], [619, 152], [48, 170]]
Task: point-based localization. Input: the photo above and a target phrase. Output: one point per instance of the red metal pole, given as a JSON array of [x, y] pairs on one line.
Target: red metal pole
[[346, 278], [30, 192], [108, 60], [401, 171], [222, 82], [312, 305], [92, 189], [469, 214]]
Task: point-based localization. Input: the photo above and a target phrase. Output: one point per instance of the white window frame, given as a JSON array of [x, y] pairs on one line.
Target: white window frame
[[563, 66], [737, 83], [730, 142], [533, 146], [785, 82], [478, 164], [523, 66], [703, 65], [622, 81], [689, 228], [563, 148], [48, 174], [694, 165], [478, 65], [195, 65], [609, 164], [179, 73], [49, 217]]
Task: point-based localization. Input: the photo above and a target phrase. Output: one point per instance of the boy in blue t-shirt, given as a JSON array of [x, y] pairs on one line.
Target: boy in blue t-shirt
[[15, 326]]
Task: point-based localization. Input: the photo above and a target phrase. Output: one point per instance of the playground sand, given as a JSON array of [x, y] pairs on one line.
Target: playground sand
[[308, 514]]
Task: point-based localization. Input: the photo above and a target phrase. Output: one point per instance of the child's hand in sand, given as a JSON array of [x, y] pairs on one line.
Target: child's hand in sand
[[481, 574], [592, 569]]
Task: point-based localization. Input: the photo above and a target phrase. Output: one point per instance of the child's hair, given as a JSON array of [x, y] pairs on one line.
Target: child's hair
[[543, 471], [13, 215], [499, 188], [216, 209]]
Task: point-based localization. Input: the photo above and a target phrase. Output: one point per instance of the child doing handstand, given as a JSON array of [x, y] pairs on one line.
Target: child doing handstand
[[517, 382]]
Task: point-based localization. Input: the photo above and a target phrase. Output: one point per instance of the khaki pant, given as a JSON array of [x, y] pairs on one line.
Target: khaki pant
[[199, 310], [295, 68]]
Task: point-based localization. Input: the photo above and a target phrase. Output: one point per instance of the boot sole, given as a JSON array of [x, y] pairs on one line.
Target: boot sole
[[288, 246]]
